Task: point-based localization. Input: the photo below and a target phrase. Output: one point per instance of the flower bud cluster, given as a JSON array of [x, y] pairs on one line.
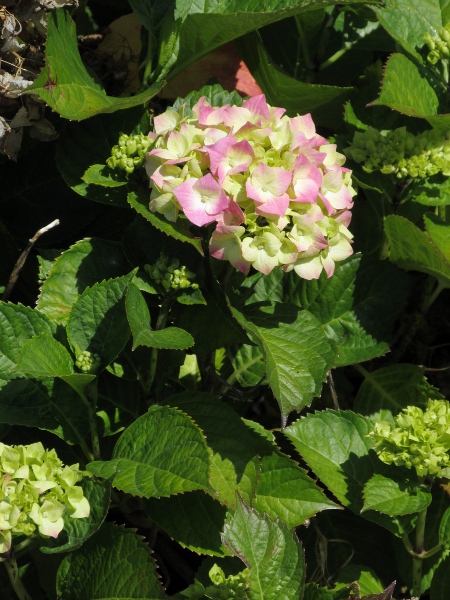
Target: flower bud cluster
[[224, 588], [276, 191], [36, 489], [170, 274], [130, 152], [401, 153], [88, 362], [420, 440], [438, 44]]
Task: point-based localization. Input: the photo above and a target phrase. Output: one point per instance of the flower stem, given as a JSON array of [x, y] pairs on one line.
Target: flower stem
[[14, 577], [417, 560], [160, 324]]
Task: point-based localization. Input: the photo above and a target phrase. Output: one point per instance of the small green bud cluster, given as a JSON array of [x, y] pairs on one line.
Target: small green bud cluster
[[171, 275], [420, 440], [130, 152], [36, 489], [438, 44], [88, 362], [401, 153], [224, 588]]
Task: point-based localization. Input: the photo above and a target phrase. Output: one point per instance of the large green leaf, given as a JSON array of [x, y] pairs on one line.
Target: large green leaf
[[324, 102], [244, 461], [194, 520], [439, 232], [392, 498], [77, 531], [296, 351], [254, 538], [248, 365], [405, 90], [171, 338], [407, 21], [412, 249], [334, 444], [391, 389], [64, 83], [17, 325], [114, 564], [79, 267], [43, 356], [160, 454], [98, 321], [357, 306], [440, 583], [194, 29]]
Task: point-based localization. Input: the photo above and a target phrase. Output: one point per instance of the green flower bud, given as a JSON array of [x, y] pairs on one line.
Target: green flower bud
[[88, 362]]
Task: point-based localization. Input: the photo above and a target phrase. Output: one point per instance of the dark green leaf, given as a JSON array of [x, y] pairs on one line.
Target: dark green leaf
[[171, 338], [43, 356], [394, 498], [215, 95], [113, 564], [296, 351], [439, 232]]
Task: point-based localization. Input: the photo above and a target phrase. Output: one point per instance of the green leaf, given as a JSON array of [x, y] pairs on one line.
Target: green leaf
[[324, 102], [440, 584], [405, 90], [18, 324], [285, 492], [160, 454], [81, 145], [444, 528], [296, 351], [334, 444], [114, 564], [194, 30], [104, 176], [194, 520], [412, 249], [77, 531], [214, 94], [367, 580], [273, 574], [171, 338], [248, 365], [43, 356], [178, 230], [394, 498], [98, 321], [66, 86], [408, 21], [392, 388], [357, 306], [79, 267], [433, 191], [439, 232]]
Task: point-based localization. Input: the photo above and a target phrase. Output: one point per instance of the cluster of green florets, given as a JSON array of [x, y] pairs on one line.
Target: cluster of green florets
[[88, 362], [130, 152], [36, 489], [401, 153], [224, 588], [439, 45], [420, 440], [170, 274]]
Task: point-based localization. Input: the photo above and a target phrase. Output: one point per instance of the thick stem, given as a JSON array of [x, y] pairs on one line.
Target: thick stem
[[14, 577], [90, 401], [418, 560]]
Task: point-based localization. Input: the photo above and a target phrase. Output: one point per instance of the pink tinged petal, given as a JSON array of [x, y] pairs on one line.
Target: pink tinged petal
[[328, 207], [218, 151], [258, 107], [341, 199], [332, 181], [305, 124], [341, 250], [344, 217], [276, 113], [233, 215], [209, 115], [226, 245], [277, 205], [202, 199], [275, 180], [305, 190], [213, 135], [328, 265], [308, 268], [166, 122]]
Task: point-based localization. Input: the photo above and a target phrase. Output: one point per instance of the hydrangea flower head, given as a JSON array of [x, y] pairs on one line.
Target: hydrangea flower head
[[36, 490], [274, 190], [420, 440]]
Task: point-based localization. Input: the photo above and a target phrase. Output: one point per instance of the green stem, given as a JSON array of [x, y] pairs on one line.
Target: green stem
[[14, 577], [336, 56], [90, 401], [160, 324], [361, 370], [304, 46], [419, 550]]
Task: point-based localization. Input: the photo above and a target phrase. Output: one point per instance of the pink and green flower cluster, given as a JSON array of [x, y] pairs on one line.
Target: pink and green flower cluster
[[36, 489], [277, 192]]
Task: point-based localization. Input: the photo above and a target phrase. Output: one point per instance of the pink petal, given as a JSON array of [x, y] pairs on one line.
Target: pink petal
[[258, 106]]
